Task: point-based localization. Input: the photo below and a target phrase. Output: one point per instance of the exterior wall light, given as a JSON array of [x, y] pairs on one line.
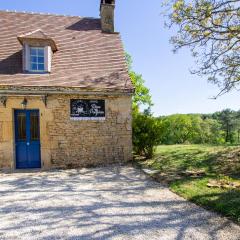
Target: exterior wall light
[[3, 100], [24, 103], [45, 99]]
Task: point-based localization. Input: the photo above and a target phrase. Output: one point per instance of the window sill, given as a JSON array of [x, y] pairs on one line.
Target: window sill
[[36, 72]]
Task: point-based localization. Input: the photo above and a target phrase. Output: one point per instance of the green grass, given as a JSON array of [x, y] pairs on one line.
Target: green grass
[[213, 162]]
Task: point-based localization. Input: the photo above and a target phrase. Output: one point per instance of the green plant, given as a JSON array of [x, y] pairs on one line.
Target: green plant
[[177, 165], [146, 133]]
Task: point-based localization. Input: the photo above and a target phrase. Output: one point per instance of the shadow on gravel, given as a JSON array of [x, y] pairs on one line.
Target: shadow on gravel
[[104, 203]]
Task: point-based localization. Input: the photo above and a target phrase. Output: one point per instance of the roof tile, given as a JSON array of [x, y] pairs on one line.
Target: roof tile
[[86, 58]]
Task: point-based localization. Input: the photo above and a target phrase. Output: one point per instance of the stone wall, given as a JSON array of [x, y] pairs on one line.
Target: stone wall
[[68, 143]]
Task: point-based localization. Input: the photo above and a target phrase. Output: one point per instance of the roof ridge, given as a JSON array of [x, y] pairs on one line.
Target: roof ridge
[[34, 31], [44, 13]]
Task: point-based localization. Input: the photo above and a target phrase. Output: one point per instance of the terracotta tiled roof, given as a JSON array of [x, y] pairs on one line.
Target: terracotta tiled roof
[[39, 35], [86, 58]]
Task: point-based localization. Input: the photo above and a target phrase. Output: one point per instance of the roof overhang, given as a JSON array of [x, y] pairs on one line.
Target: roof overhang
[[13, 91]]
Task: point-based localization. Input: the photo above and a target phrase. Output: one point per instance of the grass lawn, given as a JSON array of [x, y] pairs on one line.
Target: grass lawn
[[188, 169]]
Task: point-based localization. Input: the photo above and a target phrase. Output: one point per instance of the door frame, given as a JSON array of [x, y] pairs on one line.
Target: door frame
[[14, 137]]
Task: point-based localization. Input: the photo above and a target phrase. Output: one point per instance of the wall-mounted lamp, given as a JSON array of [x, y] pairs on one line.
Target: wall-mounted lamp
[[3, 100], [44, 99], [24, 103]]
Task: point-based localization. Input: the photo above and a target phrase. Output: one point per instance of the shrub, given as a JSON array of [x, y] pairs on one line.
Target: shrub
[[146, 133]]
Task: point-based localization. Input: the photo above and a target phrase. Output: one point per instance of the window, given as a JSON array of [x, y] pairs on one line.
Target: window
[[37, 54], [37, 59], [21, 118], [34, 122]]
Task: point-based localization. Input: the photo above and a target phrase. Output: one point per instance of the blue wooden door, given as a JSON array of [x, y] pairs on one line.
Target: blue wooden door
[[27, 139]]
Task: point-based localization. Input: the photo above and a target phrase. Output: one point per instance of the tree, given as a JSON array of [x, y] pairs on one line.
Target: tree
[[142, 95], [211, 29], [211, 131], [145, 129], [237, 124], [227, 118], [191, 128]]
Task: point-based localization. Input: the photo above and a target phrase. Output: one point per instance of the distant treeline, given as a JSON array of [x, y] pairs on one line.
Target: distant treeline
[[217, 128]]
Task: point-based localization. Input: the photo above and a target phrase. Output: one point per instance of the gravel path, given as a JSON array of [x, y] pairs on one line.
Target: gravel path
[[103, 203]]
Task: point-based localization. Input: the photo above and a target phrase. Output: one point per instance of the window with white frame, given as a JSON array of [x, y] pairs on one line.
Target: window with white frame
[[37, 59]]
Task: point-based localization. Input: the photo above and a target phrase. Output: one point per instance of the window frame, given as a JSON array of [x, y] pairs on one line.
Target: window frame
[[37, 63]]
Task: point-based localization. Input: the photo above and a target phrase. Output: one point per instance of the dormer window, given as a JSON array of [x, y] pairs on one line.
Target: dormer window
[[38, 49], [37, 59]]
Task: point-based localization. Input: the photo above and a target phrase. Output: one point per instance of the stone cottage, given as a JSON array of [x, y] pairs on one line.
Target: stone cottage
[[65, 93]]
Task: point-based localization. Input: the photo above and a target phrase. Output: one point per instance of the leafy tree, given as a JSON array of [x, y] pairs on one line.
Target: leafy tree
[[181, 126], [237, 126], [211, 29], [177, 129], [166, 134], [230, 121], [197, 136], [142, 95], [211, 132], [145, 130], [199, 129]]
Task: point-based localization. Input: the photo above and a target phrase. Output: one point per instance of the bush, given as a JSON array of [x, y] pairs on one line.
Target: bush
[[145, 134]]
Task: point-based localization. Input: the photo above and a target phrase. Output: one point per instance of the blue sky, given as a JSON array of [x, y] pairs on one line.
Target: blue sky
[[173, 88]]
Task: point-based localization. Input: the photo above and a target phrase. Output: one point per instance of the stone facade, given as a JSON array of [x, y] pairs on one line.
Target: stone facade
[[66, 143]]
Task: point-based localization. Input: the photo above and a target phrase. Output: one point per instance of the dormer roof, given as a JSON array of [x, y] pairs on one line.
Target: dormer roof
[[37, 35]]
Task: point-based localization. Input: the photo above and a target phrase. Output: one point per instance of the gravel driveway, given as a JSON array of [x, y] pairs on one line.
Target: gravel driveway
[[103, 203]]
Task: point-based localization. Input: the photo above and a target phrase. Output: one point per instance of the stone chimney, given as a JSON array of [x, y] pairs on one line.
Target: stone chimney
[[107, 15]]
